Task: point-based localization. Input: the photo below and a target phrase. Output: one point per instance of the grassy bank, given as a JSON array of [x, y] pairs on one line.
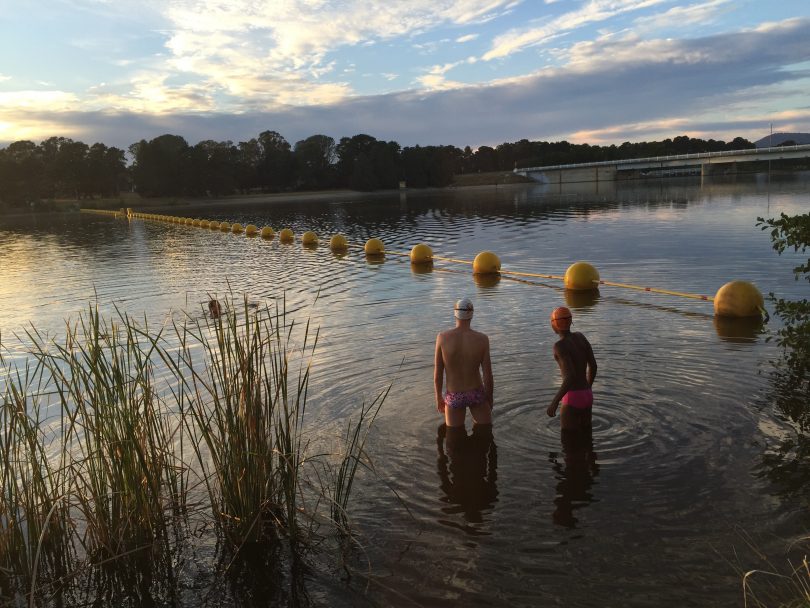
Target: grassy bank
[[121, 443]]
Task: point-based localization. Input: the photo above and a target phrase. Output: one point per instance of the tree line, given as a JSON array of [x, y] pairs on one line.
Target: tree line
[[168, 165]]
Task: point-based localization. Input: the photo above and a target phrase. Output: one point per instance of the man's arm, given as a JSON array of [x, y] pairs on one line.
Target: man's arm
[[486, 368], [566, 369], [591, 364], [438, 374]]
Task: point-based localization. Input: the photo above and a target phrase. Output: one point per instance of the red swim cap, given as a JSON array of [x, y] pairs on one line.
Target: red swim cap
[[561, 318]]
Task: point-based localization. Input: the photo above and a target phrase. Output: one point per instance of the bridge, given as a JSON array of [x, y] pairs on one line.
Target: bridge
[[702, 163]]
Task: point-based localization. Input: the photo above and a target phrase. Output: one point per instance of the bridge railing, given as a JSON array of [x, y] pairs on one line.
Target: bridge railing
[[657, 159]]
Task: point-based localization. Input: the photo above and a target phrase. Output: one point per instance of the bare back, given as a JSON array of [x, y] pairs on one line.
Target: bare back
[[463, 352], [575, 356]]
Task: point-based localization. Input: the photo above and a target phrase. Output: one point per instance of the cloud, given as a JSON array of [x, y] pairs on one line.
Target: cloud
[[517, 40], [59, 101], [683, 16], [238, 44], [467, 38], [610, 90]]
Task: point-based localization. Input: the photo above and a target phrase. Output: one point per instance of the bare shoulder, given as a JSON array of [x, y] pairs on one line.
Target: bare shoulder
[[581, 338], [444, 336], [480, 336]]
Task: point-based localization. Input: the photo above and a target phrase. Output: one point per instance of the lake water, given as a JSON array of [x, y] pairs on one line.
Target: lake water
[[655, 510]]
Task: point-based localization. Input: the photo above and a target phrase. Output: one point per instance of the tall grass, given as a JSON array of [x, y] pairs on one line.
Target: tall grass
[[772, 585], [116, 438], [245, 418], [34, 522]]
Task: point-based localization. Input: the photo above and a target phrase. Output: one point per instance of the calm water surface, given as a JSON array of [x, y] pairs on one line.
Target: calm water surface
[[652, 511]]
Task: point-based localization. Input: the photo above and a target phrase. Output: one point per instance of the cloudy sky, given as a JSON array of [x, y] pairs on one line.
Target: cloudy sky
[[462, 72]]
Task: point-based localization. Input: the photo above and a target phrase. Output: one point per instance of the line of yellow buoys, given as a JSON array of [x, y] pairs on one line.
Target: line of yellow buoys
[[736, 299]]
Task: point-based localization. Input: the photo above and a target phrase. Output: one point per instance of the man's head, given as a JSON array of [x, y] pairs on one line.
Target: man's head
[[561, 319], [463, 310]]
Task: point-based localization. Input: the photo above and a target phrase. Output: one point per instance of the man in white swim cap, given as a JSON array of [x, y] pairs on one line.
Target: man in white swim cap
[[462, 355]]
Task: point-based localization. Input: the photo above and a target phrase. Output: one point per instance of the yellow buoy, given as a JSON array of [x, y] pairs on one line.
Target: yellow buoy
[[268, 233], [251, 230], [738, 299], [196, 222], [213, 225], [486, 262], [204, 223], [421, 254], [237, 228], [309, 238], [374, 247], [225, 227], [338, 243], [286, 235], [581, 276]]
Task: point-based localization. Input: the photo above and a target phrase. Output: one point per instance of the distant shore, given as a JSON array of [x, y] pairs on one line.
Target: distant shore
[[133, 200]]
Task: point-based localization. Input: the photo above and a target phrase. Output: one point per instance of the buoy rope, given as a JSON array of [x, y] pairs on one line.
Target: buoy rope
[[681, 294], [516, 273], [532, 274], [436, 257]]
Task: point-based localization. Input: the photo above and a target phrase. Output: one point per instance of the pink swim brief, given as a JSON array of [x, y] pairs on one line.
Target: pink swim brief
[[462, 399], [581, 399]]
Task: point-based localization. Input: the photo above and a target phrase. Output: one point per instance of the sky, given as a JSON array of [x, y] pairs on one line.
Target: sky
[[426, 72]]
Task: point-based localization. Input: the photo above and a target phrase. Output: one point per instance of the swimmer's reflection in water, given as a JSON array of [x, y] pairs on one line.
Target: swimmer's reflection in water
[[575, 470], [467, 467]]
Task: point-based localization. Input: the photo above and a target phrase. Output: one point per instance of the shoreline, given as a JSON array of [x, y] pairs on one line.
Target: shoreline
[[464, 183]]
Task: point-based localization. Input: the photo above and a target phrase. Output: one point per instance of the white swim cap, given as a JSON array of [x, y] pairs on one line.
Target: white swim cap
[[463, 309]]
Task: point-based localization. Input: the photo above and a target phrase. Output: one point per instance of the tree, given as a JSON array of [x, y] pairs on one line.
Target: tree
[[314, 161], [277, 165], [486, 159], [71, 168], [350, 152], [249, 159], [161, 166], [414, 167], [792, 232], [364, 163], [214, 168], [21, 173], [387, 164], [789, 463]]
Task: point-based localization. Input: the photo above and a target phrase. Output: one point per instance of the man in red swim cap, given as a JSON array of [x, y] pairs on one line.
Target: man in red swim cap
[[574, 355]]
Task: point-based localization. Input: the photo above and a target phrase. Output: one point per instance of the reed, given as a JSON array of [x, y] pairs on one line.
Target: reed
[[772, 585], [117, 434], [245, 417], [115, 438], [34, 522], [352, 456]]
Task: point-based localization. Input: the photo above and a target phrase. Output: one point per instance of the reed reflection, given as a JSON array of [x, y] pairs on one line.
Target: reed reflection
[[467, 467], [575, 473]]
